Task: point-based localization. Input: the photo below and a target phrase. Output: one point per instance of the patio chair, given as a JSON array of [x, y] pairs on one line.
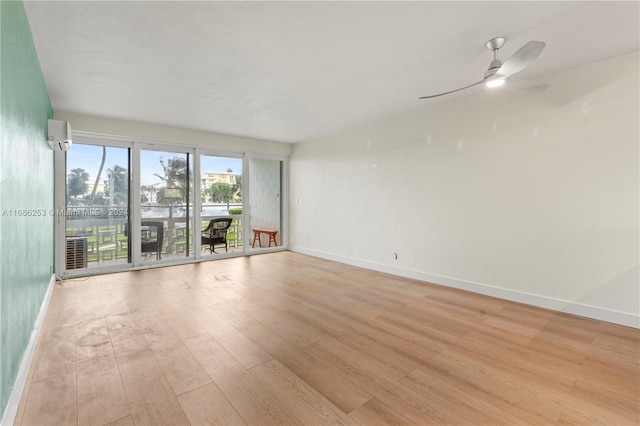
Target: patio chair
[[152, 239], [152, 245], [216, 233]]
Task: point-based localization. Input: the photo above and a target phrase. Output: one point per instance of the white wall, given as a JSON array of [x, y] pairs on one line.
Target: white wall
[[533, 198], [153, 132]]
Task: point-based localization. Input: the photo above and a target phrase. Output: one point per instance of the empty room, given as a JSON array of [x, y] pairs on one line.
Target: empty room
[[324, 212]]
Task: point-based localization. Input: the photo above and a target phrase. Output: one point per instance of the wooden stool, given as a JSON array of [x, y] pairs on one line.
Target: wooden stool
[[270, 232]]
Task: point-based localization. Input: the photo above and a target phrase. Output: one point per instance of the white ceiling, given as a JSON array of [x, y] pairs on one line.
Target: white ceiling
[[291, 71]]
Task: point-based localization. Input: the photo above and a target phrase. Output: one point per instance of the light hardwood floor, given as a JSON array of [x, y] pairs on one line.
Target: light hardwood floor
[[285, 338]]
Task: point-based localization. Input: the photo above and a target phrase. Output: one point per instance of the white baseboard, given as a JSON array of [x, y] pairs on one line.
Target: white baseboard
[[16, 393], [574, 308]]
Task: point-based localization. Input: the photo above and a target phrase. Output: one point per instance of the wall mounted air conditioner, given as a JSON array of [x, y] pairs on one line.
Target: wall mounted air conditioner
[[59, 135]]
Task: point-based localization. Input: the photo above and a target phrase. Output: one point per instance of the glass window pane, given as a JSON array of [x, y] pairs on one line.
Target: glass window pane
[[97, 206], [221, 198], [166, 193]]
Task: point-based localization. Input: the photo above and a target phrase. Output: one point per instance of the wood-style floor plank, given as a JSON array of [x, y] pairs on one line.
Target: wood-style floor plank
[[130, 345], [207, 405], [334, 386], [242, 348], [101, 396], [182, 370], [56, 354], [93, 340], [297, 396], [500, 388], [288, 339], [376, 413], [51, 401], [125, 421], [249, 398], [457, 395], [150, 396]]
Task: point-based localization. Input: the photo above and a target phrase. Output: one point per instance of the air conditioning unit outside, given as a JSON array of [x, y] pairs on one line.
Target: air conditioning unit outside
[[76, 253]]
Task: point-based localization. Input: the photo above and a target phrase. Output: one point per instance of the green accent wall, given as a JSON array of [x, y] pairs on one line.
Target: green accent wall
[[26, 186]]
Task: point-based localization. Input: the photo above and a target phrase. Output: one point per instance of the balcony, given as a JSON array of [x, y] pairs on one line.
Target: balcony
[[107, 240]]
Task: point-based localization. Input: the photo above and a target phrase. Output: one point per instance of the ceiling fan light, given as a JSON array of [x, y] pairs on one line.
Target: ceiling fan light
[[496, 82]]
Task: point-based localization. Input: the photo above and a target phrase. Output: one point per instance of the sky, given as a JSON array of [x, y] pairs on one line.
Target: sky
[[88, 157]]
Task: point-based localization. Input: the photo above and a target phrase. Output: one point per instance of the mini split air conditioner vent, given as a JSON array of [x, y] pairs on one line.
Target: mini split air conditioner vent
[[59, 135]]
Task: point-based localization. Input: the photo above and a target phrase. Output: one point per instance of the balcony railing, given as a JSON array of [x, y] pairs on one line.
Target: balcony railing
[[105, 230]]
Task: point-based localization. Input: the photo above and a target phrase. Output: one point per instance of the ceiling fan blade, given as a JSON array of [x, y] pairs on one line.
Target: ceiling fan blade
[[452, 91], [524, 86], [521, 59]]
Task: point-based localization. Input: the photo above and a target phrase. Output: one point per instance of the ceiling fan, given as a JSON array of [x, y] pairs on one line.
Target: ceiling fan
[[500, 74]]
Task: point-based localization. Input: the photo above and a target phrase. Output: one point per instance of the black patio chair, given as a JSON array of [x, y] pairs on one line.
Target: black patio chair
[[216, 233]]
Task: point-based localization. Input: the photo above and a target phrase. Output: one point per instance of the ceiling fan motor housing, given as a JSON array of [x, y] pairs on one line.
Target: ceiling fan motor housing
[[494, 66], [494, 45]]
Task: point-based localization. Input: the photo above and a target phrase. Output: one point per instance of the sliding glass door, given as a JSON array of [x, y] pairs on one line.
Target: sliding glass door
[[220, 205], [127, 204], [166, 206], [96, 211]]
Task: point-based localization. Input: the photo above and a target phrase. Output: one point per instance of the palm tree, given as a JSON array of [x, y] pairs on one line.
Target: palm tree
[[95, 185], [116, 187], [175, 177], [77, 182]]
